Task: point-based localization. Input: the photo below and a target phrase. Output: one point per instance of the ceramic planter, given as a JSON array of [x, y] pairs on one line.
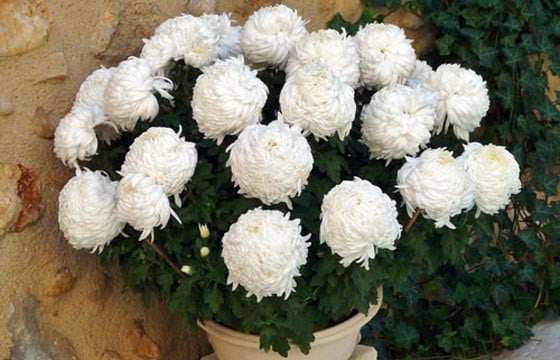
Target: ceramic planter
[[336, 342]]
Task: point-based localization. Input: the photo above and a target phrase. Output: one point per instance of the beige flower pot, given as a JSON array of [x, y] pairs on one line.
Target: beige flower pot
[[337, 342]]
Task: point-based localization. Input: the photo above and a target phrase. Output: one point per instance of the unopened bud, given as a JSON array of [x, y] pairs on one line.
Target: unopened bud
[[187, 269], [203, 230], [204, 251]]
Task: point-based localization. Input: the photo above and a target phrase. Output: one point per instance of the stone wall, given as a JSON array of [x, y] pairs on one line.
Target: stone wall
[[57, 303]]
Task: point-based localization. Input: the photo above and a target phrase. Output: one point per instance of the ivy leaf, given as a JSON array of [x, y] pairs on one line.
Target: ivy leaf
[[407, 335], [500, 293]]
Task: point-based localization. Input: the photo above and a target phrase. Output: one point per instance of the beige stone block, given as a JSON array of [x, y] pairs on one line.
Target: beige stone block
[[6, 107]]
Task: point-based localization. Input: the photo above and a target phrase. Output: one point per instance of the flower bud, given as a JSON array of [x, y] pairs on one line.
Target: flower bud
[[187, 269], [204, 251], [203, 230]]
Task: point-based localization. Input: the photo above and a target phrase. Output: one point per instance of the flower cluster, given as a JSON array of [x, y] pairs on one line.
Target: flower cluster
[[272, 159]]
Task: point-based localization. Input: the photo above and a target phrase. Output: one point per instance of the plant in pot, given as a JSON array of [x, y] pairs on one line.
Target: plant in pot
[[260, 167]]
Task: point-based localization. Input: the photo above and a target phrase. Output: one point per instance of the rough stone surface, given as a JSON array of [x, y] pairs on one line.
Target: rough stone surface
[[543, 345], [6, 107], [142, 345], [44, 124], [110, 355], [62, 283], [10, 203], [24, 25], [53, 67], [422, 34]]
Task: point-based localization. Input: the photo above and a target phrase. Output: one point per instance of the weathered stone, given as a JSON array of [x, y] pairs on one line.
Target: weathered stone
[[6, 107], [142, 345], [24, 25], [62, 283], [30, 195], [102, 289], [51, 68], [110, 355], [199, 7], [11, 204], [422, 34], [318, 12], [33, 339], [44, 125], [120, 28]]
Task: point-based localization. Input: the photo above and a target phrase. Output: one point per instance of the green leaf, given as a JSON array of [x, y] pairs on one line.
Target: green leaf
[[407, 335], [500, 293]]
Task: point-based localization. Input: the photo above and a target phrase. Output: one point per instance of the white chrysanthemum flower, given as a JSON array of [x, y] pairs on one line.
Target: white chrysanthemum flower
[[332, 48], [494, 173], [263, 252], [398, 122], [270, 34], [129, 94], [229, 37], [462, 99], [142, 203], [436, 184], [386, 55], [270, 162], [74, 137], [162, 154], [357, 218], [421, 75], [86, 210], [319, 102], [227, 97]]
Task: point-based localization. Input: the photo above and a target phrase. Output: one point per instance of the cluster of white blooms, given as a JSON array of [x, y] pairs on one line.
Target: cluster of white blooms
[[494, 173], [142, 203], [227, 97], [87, 210], [357, 218], [462, 99], [270, 162], [420, 76], [263, 252], [436, 184], [196, 40], [331, 48], [162, 154], [270, 34], [318, 101], [386, 55], [398, 121], [129, 94]]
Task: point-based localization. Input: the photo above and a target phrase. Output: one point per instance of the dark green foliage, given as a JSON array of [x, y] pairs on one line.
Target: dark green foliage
[[476, 290]]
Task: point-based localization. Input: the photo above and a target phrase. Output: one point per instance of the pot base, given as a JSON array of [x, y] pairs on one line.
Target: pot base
[[362, 352]]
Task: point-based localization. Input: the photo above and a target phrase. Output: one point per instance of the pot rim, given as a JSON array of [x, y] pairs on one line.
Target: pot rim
[[322, 336]]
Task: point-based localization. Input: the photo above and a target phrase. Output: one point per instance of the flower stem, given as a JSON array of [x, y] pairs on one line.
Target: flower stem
[[165, 257], [412, 220]]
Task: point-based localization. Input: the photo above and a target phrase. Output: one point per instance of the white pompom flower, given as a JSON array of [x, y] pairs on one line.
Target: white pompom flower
[[227, 97], [270, 34], [74, 137], [421, 75], [398, 122], [495, 174], [462, 99], [142, 203], [386, 55], [229, 36], [270, 162], [161, 153], [129, 94], [86, 210], [357, 219], [436, 184], [263, 252], [319, 102], [329, 47]]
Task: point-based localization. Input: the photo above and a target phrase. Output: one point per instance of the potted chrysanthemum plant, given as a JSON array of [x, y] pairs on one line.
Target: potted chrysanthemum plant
[[251, 176]]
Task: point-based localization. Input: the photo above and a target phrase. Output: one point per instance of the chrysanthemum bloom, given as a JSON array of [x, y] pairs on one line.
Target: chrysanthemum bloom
[[129, 94], [421, 75], [494, 173], [142, 203], [386, 55], [86, 210], [357, 218], [263, 252], [329, 47], [462, 99], [270, 162], [164, 155], [229, 36], [436, 184], [319, 102], [270, 34], [398, 122], [227, 97], [74, 137]]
